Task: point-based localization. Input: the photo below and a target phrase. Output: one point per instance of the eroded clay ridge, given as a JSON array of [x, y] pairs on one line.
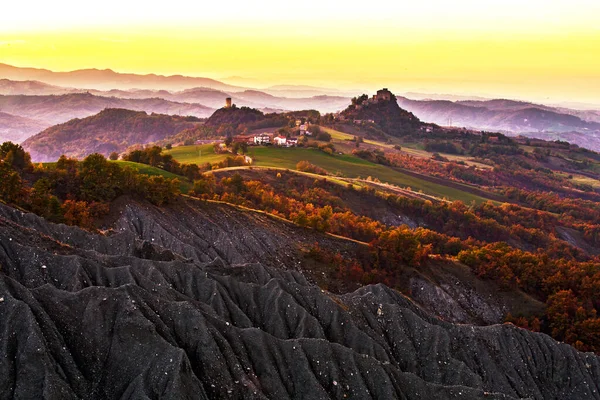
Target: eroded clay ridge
[[209, 305]]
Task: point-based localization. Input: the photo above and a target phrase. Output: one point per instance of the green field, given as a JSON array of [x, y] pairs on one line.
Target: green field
[[337, 135], [185, 185], [196, 154], [354, 167]]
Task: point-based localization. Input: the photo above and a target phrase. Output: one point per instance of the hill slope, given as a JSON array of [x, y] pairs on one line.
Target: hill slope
[[108, 131], [16, 129], [176, 305]]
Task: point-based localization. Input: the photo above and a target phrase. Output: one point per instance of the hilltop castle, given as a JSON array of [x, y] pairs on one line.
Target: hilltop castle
[[383, 94]]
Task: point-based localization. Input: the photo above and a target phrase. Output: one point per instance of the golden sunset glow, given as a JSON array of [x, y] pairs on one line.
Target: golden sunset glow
[[539, 50]]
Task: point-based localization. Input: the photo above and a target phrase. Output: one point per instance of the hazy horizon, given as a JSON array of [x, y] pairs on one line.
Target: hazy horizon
[[537, 51]]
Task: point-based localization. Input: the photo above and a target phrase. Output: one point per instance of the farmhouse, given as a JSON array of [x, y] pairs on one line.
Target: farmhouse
[[280, 140]]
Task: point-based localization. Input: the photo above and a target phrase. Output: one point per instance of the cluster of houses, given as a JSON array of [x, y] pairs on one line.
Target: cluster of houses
[[268, 139]]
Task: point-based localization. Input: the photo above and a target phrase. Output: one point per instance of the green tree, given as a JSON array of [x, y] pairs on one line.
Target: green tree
[[99, 178], [205, 185], [14, 155], [11, 187]]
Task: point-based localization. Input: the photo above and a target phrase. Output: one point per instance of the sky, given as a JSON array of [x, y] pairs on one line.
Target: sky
[[530, 49]]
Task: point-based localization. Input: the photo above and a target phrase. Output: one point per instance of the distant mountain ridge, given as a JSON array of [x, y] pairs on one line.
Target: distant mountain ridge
[[108, 131], [29, 87], [510, 116], [206, 96], [108, 79]]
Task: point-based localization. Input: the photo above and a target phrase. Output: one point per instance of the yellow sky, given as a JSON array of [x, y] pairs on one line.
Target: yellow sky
[[536, 49]]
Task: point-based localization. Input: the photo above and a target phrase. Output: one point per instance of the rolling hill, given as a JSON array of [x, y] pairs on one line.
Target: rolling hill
[[235, 116], [16, 129], [111, 130]]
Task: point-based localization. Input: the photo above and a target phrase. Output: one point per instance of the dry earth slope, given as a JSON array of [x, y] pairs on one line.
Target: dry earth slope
[[204, 301]]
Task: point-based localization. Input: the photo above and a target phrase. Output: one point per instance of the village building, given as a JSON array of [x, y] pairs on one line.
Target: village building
[[262, 139]]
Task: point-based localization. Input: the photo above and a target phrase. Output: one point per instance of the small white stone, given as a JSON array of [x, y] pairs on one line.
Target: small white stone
[[43, 267], [1, 299]]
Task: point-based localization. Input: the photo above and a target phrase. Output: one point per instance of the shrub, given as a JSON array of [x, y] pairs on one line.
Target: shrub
[[306, 166]]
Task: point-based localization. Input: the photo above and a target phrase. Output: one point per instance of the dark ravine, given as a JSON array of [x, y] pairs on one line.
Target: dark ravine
[[211, 304]]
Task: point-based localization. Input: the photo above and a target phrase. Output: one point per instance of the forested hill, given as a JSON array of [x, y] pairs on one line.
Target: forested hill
[[385, 113], [234, 116], [111, 130]]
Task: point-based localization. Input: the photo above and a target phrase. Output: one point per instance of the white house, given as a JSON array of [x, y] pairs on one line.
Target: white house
[[280, 140]]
